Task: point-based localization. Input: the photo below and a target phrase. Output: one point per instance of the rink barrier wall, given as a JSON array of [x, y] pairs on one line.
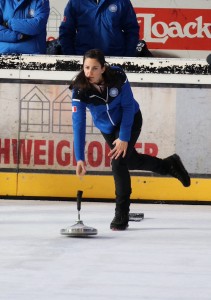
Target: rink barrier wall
[[100, 187], [36, 142]]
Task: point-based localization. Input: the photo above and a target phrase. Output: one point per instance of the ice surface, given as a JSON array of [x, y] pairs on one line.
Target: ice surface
[[164, 257]]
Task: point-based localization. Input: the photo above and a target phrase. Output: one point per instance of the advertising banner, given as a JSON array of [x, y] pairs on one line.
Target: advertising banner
[[36, 131], [175, 29], [36, 128]]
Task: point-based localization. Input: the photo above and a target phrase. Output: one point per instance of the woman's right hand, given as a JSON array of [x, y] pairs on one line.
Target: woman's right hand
[[80, 168]]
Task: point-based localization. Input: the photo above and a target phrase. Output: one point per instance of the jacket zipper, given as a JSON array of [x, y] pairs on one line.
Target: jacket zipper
[[109, 115], [107, 106]]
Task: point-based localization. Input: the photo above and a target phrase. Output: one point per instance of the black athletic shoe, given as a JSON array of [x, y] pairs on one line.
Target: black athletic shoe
[[176, 169], [120, 221]]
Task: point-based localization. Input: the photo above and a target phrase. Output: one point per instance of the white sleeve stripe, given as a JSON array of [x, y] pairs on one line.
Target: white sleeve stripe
[[78, 100]]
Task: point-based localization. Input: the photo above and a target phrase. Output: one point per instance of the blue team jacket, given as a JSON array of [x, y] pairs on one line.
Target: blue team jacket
[[23, 17], [115, 108], [110, 26]]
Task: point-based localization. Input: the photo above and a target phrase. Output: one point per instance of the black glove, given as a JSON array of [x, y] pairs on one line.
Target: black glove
[[142, 50]]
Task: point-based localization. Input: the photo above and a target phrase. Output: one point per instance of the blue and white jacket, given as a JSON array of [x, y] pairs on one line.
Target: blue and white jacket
[[115, 108], [110, 26], [20, 19]]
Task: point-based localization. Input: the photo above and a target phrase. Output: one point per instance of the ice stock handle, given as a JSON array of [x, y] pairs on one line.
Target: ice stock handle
[[79, 197]]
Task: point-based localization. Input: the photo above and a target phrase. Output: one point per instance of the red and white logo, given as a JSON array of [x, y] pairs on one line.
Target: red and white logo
[[182, 29], [74, 108]]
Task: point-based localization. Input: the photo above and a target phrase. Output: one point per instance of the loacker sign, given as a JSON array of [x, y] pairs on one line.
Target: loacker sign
[[182, 29]]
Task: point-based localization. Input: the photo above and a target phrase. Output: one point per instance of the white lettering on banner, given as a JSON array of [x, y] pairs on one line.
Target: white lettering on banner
[[173, 29]]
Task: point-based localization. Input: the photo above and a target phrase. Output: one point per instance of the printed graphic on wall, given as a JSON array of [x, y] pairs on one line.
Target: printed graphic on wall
[[35, 112], [54, 22]]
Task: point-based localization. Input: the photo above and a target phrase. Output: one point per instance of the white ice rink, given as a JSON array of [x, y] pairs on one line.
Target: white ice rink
[[167, 256]]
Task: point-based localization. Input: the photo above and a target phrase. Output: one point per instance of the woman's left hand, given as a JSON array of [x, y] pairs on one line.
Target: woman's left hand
[[120, 148]]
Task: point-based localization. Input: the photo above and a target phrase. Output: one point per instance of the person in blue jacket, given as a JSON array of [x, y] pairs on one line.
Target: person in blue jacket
[[104, 24], [23, 26], [106, 92]]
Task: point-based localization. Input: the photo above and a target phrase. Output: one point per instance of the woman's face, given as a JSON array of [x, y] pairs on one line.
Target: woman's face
[[93, 70]]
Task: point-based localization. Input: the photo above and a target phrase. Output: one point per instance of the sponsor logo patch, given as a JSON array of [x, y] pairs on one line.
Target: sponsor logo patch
[[31, 13], [112, 8], [74, 108], [113, 92]]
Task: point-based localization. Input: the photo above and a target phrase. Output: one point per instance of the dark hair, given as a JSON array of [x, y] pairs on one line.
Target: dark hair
[[109, 76], [95, 54]]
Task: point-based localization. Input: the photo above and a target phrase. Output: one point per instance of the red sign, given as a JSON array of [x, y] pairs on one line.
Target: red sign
[[182, 29]]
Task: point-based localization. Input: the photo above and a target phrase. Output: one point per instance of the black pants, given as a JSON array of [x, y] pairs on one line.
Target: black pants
[[132, 161]]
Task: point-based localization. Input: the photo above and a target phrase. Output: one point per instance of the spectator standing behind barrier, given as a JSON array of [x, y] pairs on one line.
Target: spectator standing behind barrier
[[106, 92], [108, 25], [23, 26]]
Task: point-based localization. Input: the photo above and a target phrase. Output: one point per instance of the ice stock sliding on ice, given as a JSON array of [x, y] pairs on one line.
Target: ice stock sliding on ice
[[79, 229], [106, 92]]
